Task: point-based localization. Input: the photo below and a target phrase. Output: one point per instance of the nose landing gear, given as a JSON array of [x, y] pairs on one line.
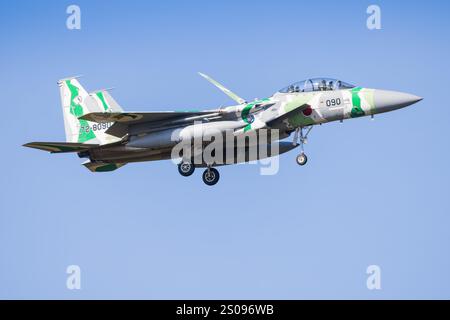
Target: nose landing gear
[[301, 138], [301, 159]]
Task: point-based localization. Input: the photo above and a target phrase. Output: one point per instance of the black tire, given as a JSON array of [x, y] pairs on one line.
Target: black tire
[[211, 176], [186, 169], [301, 159]]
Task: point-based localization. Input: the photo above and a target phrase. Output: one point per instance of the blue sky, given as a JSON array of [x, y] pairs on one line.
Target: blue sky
[[373, 192]]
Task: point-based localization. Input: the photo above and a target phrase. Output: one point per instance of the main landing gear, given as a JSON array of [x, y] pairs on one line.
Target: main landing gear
[[186, 168], [210, 175], [301, 138]]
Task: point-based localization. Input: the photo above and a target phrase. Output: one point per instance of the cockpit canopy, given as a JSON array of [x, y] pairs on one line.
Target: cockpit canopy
[[317, 84]]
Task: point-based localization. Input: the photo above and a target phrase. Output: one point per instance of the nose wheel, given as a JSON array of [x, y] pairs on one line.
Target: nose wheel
[[301, 138], [302, 159], [211, 176]]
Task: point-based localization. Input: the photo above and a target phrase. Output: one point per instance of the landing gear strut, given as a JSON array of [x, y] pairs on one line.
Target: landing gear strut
[[211, 176], [301, 138], [186, 168]]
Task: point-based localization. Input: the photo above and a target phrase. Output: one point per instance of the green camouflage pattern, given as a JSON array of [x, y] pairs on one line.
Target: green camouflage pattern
[[77, 102]]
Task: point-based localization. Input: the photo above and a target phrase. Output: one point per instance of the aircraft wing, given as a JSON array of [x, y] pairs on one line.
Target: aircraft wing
[[144, 117], [157, 119]]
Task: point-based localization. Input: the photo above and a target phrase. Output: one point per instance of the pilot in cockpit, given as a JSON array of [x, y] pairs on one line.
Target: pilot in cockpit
[[330, 85]]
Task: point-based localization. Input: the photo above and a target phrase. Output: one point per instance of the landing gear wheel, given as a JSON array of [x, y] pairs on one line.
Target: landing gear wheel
[[186, 169], [301, 138], [211, 176], [302, 159]]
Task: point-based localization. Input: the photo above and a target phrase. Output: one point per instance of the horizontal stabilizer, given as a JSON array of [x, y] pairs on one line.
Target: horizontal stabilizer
[[60, 147], [103, 166]]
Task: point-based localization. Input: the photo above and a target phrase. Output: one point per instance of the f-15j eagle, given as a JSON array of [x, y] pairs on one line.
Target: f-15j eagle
[[98, 129]]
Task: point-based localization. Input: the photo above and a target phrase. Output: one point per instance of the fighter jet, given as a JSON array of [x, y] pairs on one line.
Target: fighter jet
[[99, 130]]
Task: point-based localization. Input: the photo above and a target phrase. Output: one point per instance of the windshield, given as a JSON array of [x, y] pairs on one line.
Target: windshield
[[317, 84]]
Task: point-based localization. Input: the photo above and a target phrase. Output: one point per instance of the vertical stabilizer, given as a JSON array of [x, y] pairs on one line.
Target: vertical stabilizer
[[76, 102]]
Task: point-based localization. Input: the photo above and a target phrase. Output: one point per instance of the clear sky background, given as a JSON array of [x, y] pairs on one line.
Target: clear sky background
[[373, 192]]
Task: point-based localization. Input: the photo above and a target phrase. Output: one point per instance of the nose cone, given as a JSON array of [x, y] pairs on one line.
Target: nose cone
[[392, 100]]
